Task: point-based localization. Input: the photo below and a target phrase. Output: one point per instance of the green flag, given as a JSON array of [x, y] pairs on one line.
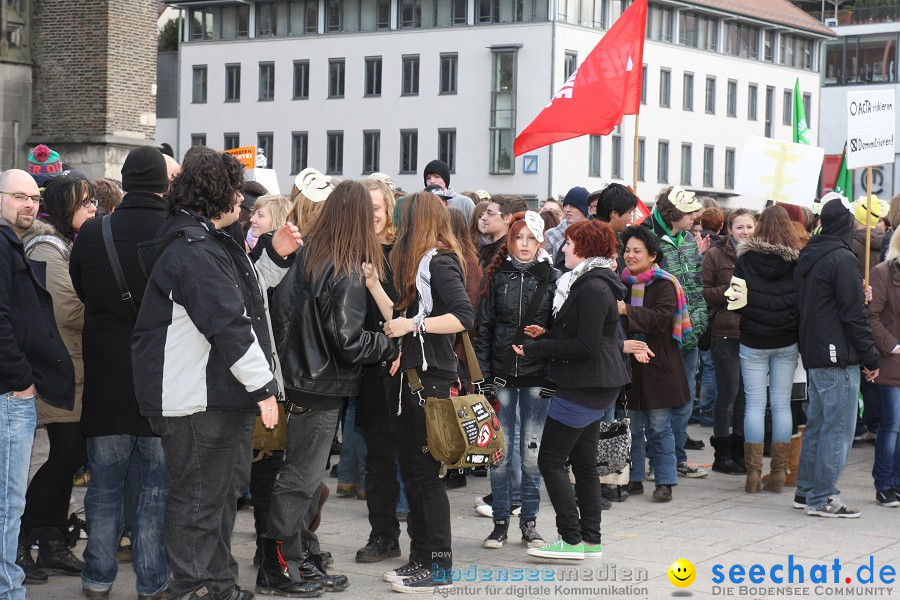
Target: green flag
[[843, 183], [801, 131]]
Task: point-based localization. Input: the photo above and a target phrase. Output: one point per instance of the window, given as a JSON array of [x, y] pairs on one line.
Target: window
[[751, 101], [729, 168], [299, 151], [267, 81], [503, 111], [301, 80], [644, 84], [662, 162], [449, 64], [264, 142], [333, 24], [731, 108], [687, 94], [506, 11], [807, 108], [232, 83], [206, 24], [710, 95], [708, 156], [641, 156], [787, 110], [570, 64], [334, 160], [459, 12], [271, 19], [373, 77], [861, 60], [409, 150], [447, 147], [336, 78], [594, 156], [198, 139], [742, 40], [198, 94], [770, 110], [371, 152], [304, 16], [410, 81], [616, 156], [218, 22], [660, 22], [686, 152], [769, 46], [797, 52], [665, 87], [232, 140], [698, 31], [410, 13]]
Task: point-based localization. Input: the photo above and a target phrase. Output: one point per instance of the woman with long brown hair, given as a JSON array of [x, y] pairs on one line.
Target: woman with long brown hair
[[318, 317], [429, 276]]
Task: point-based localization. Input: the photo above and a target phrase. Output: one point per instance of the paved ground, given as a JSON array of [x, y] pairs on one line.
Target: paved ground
[[711, 522]]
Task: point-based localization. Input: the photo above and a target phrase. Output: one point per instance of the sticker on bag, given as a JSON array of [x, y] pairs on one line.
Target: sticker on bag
[[480, 412], [471, 429], [484, 436]]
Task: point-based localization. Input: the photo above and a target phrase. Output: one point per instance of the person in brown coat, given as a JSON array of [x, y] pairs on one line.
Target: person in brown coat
[[884, 318], [728, 410], [649, 313]]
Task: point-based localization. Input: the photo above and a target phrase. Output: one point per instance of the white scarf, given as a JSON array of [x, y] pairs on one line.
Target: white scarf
[[564, 285], [426, 304]]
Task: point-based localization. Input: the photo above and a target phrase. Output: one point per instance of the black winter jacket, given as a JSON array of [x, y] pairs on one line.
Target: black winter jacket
[[770, 318], [500, 316], [321, 337], [201, 341], [583, 346], [834, 330], [31, 349]]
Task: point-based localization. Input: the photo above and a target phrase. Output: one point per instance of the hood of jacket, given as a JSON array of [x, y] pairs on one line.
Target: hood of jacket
[[819, 247], [192, 225], [40, 227], [771, 260], [607, 275]]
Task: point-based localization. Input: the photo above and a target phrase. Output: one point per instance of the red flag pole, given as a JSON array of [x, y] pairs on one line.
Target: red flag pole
[[634, 179]]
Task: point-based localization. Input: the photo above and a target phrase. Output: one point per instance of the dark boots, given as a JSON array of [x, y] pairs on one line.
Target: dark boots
[[54, 554], [724, 456], [273, 580], [312, 569], [380, 547], [737, 450], [33, 574]]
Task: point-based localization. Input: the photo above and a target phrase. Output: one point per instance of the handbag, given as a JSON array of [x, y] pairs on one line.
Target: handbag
[[614, 445], [704, 342], [461, 431]]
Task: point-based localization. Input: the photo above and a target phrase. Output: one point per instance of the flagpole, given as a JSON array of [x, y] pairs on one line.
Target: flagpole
[[634, 179], [868, 224]]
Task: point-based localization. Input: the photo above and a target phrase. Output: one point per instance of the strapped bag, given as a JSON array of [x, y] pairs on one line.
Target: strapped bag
[[614, 446], [462, 431], [106, 227]]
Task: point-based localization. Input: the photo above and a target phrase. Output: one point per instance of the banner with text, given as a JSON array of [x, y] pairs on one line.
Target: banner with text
[[779, 171], [871, 122]]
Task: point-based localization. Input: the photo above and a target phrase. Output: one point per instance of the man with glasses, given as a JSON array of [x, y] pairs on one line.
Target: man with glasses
[[33, 360], [495, 224]]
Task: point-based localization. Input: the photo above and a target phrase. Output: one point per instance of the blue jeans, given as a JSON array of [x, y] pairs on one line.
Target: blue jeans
[[886, 470], [111, 458], [18, 418], [532, 411], [658, 425], [831, 421], [352, 465], [773, 368], [709, 387], [682, 415]]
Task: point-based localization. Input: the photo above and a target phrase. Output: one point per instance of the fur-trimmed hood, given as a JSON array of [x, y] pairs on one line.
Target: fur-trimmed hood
[[785, 253]]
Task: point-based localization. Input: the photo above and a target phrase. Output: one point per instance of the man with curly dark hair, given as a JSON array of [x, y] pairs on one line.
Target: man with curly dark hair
[[204, 364]]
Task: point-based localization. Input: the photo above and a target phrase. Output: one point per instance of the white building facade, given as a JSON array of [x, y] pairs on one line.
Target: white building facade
[[356, 86]]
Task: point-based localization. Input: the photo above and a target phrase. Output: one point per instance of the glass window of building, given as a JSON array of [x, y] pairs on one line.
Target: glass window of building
[[231, 141], [301, 79], [570, 63], [770, 110], [266, 142], [742, 40], [595, 144], [409, 150], [299, 151], [616, 152], [303, 16], [662, 162], [660, 23], [644, 84], [449, 72], [198, 84], [198, 139], [373, 77], [267, 81], [333, 20], [503, 111], [336, 78], [807, 108], [698, 31], [769, 46], [731, 108], [710, 95], [410, 13], [787, 108], [729, 168], [708, 166], [687, 92], [686, 151], [665, 87], [334, 153], [409, 84], [232, 83], [751, 101], [641, 158], [374, 15], [447, 147], [371, 152]]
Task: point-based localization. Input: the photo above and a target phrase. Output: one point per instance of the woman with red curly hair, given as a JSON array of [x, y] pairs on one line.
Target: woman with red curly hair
[[586, 362]]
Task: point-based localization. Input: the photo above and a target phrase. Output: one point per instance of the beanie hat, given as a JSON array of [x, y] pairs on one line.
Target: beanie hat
[[145, 170], [577, 197], [439, 167], [879, 210], [837, 219], [43, 164]]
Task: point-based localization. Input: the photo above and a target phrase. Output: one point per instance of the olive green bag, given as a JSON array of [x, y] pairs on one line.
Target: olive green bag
[[267, 441]]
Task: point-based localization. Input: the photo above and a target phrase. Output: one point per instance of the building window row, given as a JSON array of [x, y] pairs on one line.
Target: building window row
[[861, 59]]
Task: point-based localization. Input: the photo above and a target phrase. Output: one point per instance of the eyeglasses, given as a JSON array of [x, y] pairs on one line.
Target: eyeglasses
[[492, 213], [21, 197], [88, 202]]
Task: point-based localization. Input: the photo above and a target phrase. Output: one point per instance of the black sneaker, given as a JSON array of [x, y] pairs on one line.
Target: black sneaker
[[692, 444], [530, 536], [799, 501], [662, 493], [498, 536], [635, 488], [887, 498], [423, 582], [401, 573], [380, 547]]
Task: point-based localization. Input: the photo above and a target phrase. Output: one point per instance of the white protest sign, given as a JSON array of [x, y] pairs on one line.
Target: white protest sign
[[779, 171], [871, 122]]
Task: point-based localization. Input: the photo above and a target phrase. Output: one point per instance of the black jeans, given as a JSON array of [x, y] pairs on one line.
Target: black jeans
[[208, 454], [728, 411], [382, 487], [48, 496], [428, 524], [262, 482], [576, 521]]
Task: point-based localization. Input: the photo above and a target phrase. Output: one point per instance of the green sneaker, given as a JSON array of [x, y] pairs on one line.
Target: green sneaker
[[593, 550], [559, 549]]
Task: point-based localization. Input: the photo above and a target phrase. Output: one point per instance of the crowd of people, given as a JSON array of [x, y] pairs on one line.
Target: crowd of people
[[191, 341]]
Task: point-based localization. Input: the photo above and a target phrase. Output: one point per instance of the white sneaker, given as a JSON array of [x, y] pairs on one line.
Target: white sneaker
[[834, 509]]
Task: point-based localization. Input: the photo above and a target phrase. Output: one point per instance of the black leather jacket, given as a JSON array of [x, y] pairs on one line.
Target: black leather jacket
[[320, 335], [500, 316]]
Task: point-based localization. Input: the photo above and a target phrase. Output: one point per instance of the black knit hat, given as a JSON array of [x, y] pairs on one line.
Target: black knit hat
[[145, 171], [439, 167], [837, 220]]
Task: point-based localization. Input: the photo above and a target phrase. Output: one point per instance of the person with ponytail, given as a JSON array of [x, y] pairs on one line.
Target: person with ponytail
[[517, 291]]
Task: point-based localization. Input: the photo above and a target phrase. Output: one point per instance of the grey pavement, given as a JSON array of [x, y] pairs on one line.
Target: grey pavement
[[709, 522]]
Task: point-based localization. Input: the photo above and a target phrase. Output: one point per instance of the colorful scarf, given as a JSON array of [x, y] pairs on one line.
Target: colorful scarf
[[682, 321], [564, 284]]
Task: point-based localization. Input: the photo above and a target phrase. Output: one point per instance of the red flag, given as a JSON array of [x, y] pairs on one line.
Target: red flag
[[606, 86], [641, 212]]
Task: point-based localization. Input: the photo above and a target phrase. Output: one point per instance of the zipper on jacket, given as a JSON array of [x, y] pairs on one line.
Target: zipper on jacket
[[521, 293]]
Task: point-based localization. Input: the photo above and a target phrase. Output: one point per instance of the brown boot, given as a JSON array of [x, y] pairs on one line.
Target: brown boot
[[794, 460], [753, 458], [781, 453]]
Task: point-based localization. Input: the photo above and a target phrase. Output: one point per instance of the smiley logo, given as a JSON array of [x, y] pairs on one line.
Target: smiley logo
[[682, 573]]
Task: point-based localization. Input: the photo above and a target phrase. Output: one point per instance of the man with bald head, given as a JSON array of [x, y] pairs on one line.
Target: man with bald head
[[33, 360], [116, 433]]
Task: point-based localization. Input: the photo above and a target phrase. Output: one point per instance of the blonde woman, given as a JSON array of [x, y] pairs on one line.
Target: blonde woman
[[269, 213]]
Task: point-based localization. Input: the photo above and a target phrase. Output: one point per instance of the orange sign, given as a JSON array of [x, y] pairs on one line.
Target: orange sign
[[245, 154]]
